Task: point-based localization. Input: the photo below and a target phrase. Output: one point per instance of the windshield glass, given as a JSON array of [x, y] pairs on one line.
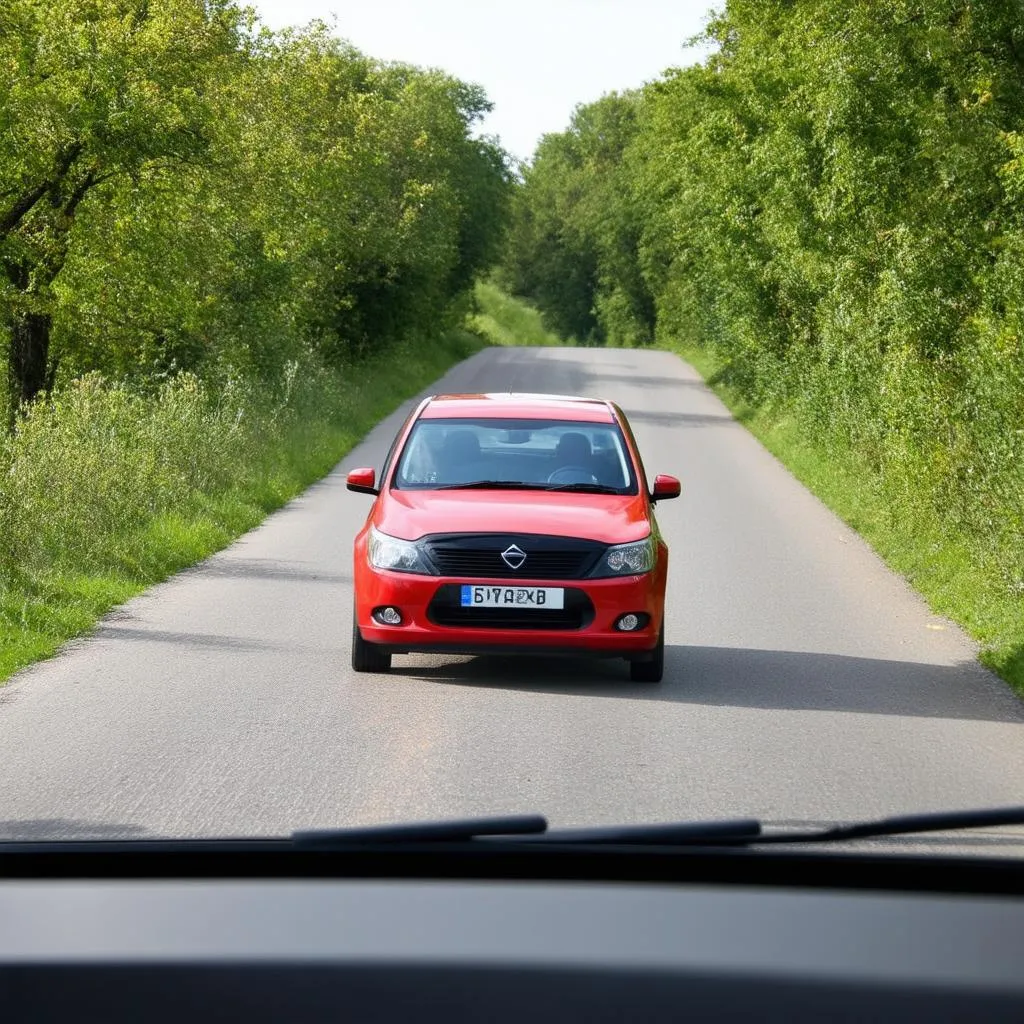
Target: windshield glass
[[718, 510], [543, 453]]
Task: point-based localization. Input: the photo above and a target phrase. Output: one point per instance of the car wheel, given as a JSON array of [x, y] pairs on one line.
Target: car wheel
[[367, 657], [650, 671]]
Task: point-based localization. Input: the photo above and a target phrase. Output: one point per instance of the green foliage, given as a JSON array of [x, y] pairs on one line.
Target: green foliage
[[572, 247], [183, 190], [831, 207], [502, 320], [92, 93]]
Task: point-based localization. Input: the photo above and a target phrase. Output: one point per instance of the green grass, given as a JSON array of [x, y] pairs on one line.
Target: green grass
[[109, 493], [950, 571], [503, 320]]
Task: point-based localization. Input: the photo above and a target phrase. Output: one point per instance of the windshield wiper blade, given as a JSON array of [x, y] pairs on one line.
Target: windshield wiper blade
[[523, 485], [493, 485], [683, 833], [457, 831], [532, 829], [751, 832], [585, 488]]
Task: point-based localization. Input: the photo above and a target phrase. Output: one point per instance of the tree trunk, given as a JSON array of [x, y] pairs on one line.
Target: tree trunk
[[28, 367]]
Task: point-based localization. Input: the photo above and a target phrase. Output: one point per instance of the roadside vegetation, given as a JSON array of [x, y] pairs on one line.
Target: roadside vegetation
[[116, 491], [501, 319], [224, 254], [827, 217]]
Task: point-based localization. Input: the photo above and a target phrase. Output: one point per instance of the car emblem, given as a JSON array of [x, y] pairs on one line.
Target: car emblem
[[514, 557]]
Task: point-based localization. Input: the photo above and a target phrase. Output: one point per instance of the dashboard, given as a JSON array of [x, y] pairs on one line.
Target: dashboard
[[389, 949]]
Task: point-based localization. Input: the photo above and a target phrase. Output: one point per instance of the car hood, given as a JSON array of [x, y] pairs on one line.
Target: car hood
[[609, 518]]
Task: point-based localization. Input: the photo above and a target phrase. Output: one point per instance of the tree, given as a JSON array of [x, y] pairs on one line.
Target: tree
[[92, 93], [576, 228], [185, 190]]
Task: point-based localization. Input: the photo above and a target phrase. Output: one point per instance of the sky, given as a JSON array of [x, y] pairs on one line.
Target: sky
[[537, 60]]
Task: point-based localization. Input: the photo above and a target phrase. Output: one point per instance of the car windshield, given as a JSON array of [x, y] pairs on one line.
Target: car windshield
[[612, 411], [540, 453]]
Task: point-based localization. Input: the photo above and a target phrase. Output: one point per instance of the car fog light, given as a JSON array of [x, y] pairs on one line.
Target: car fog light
[[628, 623], [388, 616]]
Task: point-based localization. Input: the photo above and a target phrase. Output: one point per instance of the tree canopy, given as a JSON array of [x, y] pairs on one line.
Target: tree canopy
[[832, 202], [181, 188]]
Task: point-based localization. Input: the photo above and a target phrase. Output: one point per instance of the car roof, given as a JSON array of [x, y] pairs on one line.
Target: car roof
[[519, 406]]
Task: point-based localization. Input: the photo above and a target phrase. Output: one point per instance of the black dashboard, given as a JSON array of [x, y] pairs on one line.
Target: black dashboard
[[329, 939]]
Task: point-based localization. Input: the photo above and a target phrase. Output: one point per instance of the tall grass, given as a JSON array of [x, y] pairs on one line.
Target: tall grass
[[503, 320], [105, 490]]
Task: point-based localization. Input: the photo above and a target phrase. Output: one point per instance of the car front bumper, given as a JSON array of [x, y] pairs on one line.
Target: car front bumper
[[416, 598]]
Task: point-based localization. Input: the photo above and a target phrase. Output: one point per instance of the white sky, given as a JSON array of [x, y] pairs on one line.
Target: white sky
[[537, 59]]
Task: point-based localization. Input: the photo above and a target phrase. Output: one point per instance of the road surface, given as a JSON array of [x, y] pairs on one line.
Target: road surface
[[804, 681]]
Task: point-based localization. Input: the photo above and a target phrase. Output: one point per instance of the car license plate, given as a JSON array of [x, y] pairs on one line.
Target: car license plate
[[512, 597]]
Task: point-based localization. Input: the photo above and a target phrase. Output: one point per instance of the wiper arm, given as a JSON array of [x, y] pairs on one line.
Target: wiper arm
[[908, 824], [750, 832]]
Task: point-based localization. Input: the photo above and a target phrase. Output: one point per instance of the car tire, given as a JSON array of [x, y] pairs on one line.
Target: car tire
[[652, 670], [367, 657]]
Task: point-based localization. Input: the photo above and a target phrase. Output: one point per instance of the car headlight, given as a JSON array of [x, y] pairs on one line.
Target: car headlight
[[627, 559], [386, 552]]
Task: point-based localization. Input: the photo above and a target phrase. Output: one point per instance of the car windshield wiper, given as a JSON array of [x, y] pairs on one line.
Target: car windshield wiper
[[586, 488], [456, 831], [529, 828], [739, 832], [492, 485], [531, 831], [523, 485]]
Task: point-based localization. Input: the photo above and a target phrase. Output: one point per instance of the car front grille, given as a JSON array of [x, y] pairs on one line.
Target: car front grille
[[479, 556], [446, 610]]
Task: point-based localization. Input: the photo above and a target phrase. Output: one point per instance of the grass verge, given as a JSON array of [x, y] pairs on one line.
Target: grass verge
[[107, 493], [948, 570]]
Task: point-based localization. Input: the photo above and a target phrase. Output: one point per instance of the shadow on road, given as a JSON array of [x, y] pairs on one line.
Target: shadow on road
[[46, 829], [212, 641], [737, 677], [263, 568]]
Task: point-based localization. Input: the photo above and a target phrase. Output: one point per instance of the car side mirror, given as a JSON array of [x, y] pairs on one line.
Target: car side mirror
[[665, 487], [363, 481]]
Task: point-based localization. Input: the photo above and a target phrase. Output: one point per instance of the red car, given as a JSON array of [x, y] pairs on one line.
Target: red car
[[512, 524]]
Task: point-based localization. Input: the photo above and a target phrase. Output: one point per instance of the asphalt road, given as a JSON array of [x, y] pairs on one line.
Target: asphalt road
[[804, 681]]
